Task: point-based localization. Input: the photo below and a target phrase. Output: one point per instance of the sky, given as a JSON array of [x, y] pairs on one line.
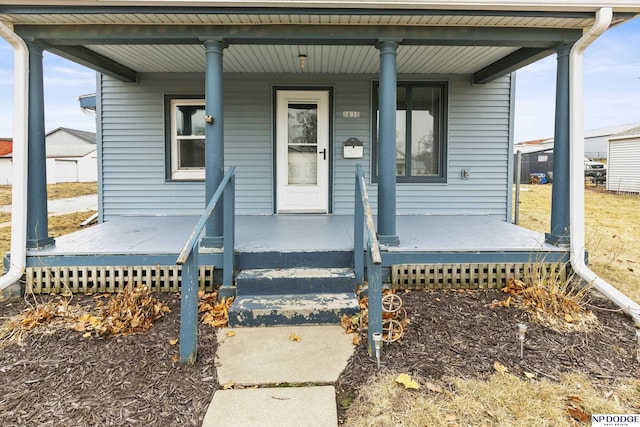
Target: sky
[[611, 88]]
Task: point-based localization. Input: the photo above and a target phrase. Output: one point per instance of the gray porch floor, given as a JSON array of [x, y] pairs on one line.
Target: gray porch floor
[[149, 235]]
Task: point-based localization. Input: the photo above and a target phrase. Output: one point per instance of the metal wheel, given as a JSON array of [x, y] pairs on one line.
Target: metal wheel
[[392, 330], [391, 303]]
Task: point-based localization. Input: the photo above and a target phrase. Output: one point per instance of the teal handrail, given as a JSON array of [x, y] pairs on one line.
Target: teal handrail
[[371, 258], [188, 259]]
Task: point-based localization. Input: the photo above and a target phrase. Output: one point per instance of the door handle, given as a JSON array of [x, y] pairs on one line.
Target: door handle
[[324, 154]]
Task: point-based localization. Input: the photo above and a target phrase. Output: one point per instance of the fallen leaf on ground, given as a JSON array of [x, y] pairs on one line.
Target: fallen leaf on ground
[[578, 414], [356, 339], [231, 334], [173, 342], [228, 385], [529, 375], [294, 337], [499, 367], [407, 382]]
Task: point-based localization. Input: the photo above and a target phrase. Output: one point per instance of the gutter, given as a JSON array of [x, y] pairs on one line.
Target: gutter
[[20, 132], [577, 226]]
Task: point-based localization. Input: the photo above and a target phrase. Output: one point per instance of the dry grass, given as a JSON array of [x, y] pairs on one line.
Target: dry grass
[[612, 232], [56, 191], [504, 400], [554, 302], [58, 226]]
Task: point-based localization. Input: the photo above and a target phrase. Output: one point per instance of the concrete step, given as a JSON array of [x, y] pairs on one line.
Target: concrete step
[[297, 309], [295, 281]]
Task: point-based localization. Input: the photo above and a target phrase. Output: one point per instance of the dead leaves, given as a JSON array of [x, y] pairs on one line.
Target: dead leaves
[[354, 323], [129, 312], [214, 313], [553, 304], [499, 367], [294, 337], [574, 409], [407, 382]]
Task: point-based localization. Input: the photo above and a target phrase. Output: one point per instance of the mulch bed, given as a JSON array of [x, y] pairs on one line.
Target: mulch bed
[[62, 379], [457, 334]]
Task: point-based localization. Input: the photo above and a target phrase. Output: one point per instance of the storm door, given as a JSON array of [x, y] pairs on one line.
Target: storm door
[[302, 151]]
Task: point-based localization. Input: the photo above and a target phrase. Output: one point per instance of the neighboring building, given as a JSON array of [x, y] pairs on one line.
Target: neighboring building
[[595, 142], [536, 160], [624, 161], [537, 155], [71, 157]]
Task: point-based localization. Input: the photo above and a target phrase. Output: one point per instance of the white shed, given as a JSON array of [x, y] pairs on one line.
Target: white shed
[[71, 156], [623, 173]]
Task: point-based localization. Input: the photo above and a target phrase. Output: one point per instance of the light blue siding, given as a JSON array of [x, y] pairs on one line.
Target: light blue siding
[[133, 147]]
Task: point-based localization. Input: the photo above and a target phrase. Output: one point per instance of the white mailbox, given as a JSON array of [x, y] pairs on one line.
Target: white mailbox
[[353, 149]]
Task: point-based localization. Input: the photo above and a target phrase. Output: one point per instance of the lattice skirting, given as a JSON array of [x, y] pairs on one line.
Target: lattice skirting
[[51, 280], [470, 276]]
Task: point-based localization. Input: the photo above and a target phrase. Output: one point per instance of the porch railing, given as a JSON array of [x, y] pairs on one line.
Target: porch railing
[[369, 259], [188, 259]]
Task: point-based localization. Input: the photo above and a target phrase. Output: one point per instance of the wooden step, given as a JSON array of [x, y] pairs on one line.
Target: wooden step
[[285, 281], [293, 296], [299, 309]]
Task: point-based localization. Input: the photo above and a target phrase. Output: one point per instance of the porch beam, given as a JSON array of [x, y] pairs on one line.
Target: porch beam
[[214, 138], [95, 61], [37, 219], [60, 35], [387, 144], [559, 233], [514, 61]]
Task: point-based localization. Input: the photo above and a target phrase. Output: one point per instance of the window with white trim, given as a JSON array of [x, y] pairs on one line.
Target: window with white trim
[[186, 133]]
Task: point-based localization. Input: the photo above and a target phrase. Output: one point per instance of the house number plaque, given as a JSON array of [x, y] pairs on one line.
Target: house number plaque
[[351, 114]]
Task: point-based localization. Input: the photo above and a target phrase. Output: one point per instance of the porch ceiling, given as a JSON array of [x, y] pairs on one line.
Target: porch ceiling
[[253, 58], [124, 41]]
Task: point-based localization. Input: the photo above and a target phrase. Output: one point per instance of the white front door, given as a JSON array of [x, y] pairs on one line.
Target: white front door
[[302, 151]]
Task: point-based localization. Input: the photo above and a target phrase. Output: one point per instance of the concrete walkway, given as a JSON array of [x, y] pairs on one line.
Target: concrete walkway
[[64, 206], [276, 380], [68, 205]]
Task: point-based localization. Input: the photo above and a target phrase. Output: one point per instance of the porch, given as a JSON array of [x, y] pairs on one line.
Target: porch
[[89, 258]]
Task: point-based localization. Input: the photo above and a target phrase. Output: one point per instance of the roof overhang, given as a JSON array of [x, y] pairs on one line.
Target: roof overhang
[[125, 38]]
